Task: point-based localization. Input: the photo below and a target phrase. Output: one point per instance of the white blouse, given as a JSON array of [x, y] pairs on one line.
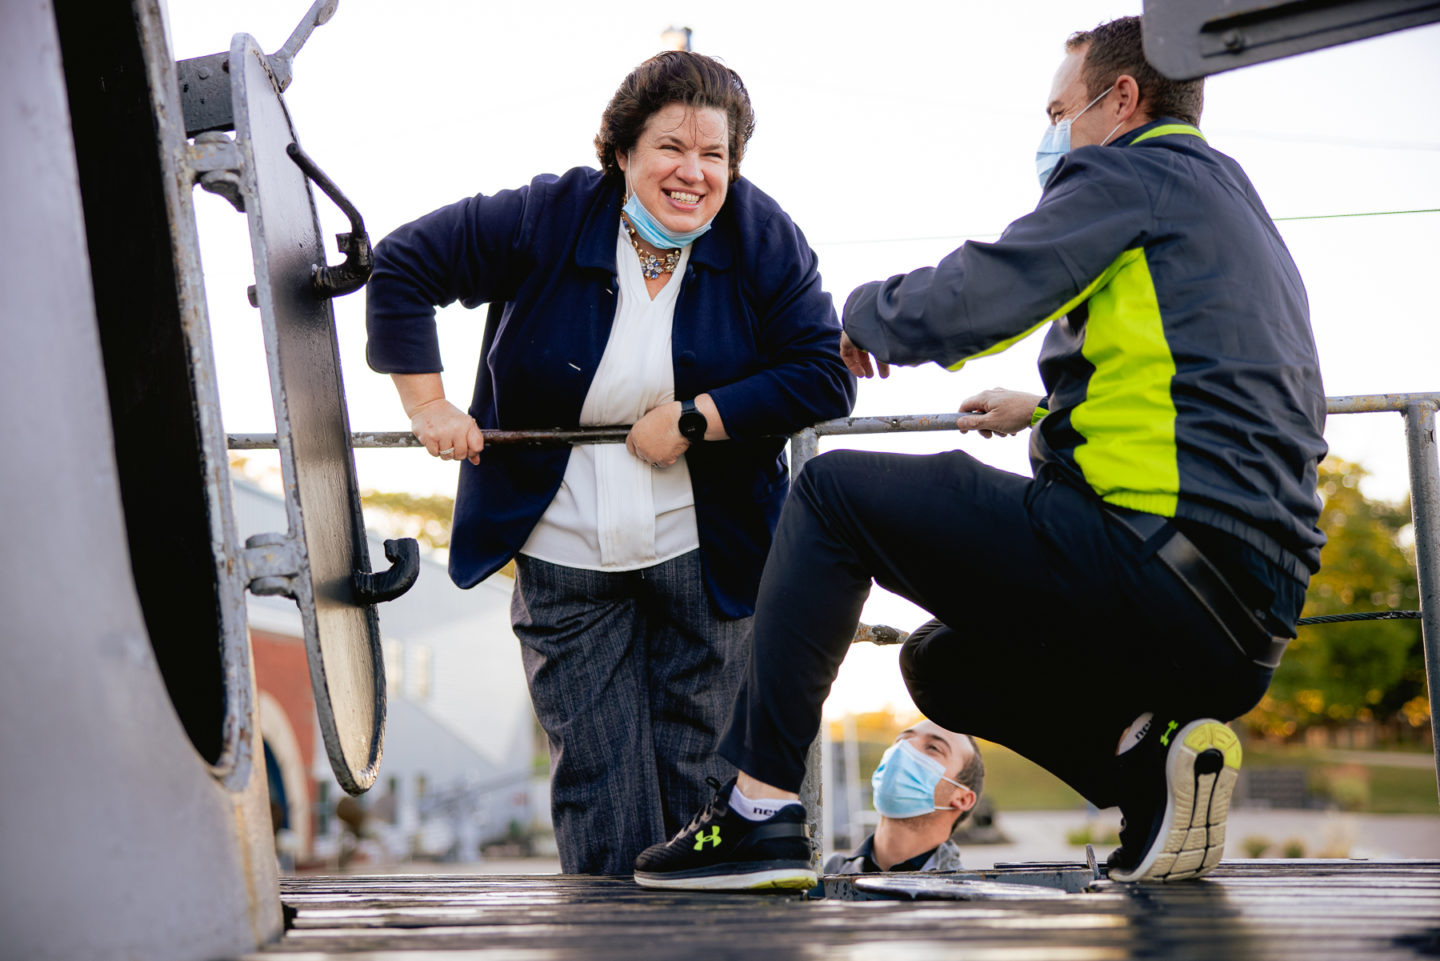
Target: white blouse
[[613, 512]]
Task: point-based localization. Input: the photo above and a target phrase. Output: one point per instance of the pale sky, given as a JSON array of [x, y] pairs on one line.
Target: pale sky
[[890, 133]]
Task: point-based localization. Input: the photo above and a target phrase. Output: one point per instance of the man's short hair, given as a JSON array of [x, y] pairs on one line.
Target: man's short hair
[[972, 775], [1117, 47]]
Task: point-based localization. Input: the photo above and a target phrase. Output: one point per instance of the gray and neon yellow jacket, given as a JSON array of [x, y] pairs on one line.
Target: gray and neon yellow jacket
[[1180, 368]]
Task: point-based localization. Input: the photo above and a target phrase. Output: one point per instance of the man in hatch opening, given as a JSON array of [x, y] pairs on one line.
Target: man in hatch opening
[[927, 784], [1104, 617]]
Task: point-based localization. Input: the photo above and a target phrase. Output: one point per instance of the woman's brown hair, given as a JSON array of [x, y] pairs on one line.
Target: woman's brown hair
[[675, 76]]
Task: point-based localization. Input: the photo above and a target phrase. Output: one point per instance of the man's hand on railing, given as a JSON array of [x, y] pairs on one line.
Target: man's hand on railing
[[858, 360], [997, 411]]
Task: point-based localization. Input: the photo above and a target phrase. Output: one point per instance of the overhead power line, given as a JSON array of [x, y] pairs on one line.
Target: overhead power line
[[1360, 143], [1368, 213], [996, 233]]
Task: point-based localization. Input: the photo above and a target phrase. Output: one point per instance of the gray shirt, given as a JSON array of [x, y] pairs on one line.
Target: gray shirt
[[945, 857]]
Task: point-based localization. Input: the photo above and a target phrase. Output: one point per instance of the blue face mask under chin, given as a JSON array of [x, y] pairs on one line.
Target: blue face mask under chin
[[904, 784], [1056, 142], [651, 230]]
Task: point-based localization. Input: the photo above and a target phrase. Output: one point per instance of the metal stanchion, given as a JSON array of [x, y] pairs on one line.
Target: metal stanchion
[[1425, 510]]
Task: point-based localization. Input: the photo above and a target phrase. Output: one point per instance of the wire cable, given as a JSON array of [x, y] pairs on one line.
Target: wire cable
[[996, 233], [1370, 213], [1358, 616]]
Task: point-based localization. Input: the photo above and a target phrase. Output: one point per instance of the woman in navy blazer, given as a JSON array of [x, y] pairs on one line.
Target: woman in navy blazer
[[633, 639]]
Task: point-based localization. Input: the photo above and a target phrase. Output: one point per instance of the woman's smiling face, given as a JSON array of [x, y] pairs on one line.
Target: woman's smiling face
[[680, 166]]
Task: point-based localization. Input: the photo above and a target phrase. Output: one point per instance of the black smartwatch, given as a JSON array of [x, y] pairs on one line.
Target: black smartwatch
[[693, 424]]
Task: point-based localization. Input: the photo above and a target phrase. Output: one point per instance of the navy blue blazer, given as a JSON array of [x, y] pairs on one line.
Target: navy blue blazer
[[752, 327]]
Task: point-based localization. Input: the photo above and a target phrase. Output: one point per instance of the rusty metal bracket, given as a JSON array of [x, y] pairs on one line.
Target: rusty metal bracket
[[359, 259], [272, 563], [215, 162], [205, 93]]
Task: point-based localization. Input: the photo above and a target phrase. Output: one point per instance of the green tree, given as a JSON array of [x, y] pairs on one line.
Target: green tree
[[400, 513], [424, 517], [1362, 670]]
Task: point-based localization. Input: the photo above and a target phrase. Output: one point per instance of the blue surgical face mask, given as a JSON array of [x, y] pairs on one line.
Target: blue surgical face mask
[[1056, 142], [651, 230], [904, 784]]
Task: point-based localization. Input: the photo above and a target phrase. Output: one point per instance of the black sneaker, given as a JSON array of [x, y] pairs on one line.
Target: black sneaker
[[1175, 802], [722, 851]]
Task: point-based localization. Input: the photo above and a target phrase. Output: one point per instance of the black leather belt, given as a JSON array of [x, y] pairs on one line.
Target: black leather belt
[[1208, 585]]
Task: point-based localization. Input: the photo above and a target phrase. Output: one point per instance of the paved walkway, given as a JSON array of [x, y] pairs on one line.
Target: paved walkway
[[1408, 759], [1041, 835]]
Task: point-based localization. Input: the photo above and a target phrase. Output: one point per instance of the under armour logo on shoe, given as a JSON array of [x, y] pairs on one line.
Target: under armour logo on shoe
[[1169, 729], [714, 838]]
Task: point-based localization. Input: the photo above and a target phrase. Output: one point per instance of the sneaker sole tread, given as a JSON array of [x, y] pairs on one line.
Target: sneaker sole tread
[[1192, 834], [773, 879]]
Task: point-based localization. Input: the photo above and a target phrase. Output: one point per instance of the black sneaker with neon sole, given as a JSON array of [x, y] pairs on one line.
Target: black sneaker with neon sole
[[721, 851], [1175, 814]]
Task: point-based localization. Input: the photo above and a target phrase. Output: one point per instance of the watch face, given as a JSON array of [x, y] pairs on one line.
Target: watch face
[[693, 425]]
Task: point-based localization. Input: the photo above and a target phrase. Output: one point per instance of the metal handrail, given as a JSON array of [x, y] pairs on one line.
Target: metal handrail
[[560, 436], [1418, 409], [906, 423]]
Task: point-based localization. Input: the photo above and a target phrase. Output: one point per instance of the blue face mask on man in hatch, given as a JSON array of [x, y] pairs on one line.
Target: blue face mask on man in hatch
[[904, 784], [1056, 141]]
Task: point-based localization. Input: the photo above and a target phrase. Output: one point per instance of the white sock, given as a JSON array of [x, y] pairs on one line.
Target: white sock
[[758, 810], [1135, 733]]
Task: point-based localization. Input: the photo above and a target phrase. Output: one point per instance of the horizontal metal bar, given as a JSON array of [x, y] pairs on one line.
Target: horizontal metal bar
[[879, 634], [1372, 403], [395, 439], [906, 423], [612, 435]]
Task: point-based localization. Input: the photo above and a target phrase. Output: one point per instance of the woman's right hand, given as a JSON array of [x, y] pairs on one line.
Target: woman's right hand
[[447, 431]]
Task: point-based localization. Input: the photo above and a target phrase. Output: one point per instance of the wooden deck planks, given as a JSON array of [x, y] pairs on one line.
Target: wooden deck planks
[[1261, 909]]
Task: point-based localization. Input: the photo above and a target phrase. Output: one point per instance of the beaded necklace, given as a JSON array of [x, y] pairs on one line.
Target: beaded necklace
[[651, 266]]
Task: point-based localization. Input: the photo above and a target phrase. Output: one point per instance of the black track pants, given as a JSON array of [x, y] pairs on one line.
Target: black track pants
[[1052, 630]]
